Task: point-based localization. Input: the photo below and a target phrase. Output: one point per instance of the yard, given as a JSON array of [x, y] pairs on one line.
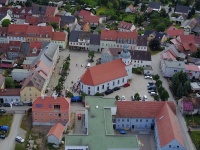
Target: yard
[[6, 120], [105, 11], [192, 120], [195, 135], [129, 18]]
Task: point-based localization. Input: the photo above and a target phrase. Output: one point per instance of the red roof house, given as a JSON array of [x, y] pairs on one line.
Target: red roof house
[[174, 32], [84, 13]]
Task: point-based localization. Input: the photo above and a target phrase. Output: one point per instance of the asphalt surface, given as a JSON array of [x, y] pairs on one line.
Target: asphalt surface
[[183, 128], [9, 142]]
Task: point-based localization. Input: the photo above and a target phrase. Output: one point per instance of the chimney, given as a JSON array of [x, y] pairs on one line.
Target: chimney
[[43, 96], [54, 96]]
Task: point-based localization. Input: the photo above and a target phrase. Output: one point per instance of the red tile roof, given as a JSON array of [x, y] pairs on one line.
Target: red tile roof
[[89, 18], [59, 36], [3, 30], [39, 31], [163, 112], [175, 32], [32, 20], [102, 73], [113, 35], [192, 67], [37, 45], [57, 130], [125, 25], [17, 30], [84, 13], [187, 38], [50, 11], [47, 104], [10, 92], [15, 43]]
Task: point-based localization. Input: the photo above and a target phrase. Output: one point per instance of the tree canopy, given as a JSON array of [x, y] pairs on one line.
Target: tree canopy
[[154, 44], [9, 82], [5, 23], [137, 96]]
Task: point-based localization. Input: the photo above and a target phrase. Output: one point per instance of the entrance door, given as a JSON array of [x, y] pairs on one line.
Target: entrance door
[[133, 126]]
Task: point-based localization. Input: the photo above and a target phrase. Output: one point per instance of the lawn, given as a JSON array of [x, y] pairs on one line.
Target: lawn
[[25, 124], [129, 18], [195, 135], [105, 11], [192, 119], [6, 120]]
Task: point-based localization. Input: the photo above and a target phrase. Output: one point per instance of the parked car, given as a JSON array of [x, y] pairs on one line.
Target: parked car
[[123, 98], [116, 88], [127, 84], [76, 99], [109, 91], [153, 93], [148, 77], [151, 84], [147, 74], [19, 139], [123, 132], [151, 87], [2, 111], [79, 116], [2, 136], [152, 90], [144, 98], [6, 104], [18, 104], [132, 98], [30, 104]]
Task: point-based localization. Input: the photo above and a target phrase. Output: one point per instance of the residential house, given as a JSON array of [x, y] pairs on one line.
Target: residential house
[[141, 58], [13, 49], [31, 20], [116, 39], [155, 35], [84, 13], [174, 32], [185, 44], [21, 12], [193, 71], [94, 42], [94, 21], [2, 82], [6, 64], [179, 9], [20, 74], [3, 34], [179, 18], [4, 2], [169, 67], [104, 110], [55, 134], [38, 10], [156, 6], [51, 11], [50, 110], [39, 33], [160, 116], [68, 22], [10, 95], [171, 53], [17, 32], [130, 9], [126, 27], [188, 25], [92, 80], [49, 19], [196, 29], [189, 105], [142, 43], [60, 38]]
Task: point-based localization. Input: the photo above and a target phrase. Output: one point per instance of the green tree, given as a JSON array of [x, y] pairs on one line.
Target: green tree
[[28, 3], [109, 5], [164, 95], [9, 82], [5, 23], [156, 77], [54, 25], [160, 27], [137, 96], [143, 7], [197, 54], [163, 13], [158, 83], [136, 2], [69, 94], [154, 44], [91, 54], [180, 91], [116, 4], [156, 97], [117, 97], [197, 4]]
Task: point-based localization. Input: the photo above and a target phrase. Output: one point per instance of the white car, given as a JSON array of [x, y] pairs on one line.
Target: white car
[[148, 77], [123, 98], [144, 98], [19, 139]]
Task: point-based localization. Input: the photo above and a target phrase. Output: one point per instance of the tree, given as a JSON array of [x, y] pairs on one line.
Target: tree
[[69, 94], [91, 54], [180, 91], [116, 4], [109, 5], [54, 25], [197, 4], [197, 54], [193, 11], [137, 96], [5, 23], [154, 44], [158, 83], [164, 95], [136, 2], [156, 97], [156, 77], [160, 27], [163, 13], [143, 7], [117, 97], [28, 3], [9, 82]]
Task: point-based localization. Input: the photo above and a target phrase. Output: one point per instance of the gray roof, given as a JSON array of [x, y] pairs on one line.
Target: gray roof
[[182, 9], [37, 9], [73, 37], [142, 41], [95, 39], [21, 70], [84, 35], [25, 47], [77, 27], [141, 55], [2, 15], [67, 20], [154, 5], [175, 64], [173, 48], [51, 50]]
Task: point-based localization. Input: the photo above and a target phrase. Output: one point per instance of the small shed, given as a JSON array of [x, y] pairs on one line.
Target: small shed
[[55, 134]]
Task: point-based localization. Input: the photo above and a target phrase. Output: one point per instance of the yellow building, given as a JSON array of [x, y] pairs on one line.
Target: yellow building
[[33, 87], [2, 82]]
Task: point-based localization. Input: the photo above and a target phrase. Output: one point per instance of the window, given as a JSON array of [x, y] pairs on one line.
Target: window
[[29, 89], [146, 120], [122, 120], [118, 81], [123, 80], [35, 114], [170, 146], [122, 125], [145, 126], [64, 114], [97, 88], [102, 86], [177, 146], [175, 70], [113, 83], [136, 120], [140, 120], [41, 114], [152, 120], [56, 107], [50, 114], [118, 120], [127, 120]]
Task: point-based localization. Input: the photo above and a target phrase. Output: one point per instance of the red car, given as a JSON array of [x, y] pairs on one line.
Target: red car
[[127, 84], [79, 116]]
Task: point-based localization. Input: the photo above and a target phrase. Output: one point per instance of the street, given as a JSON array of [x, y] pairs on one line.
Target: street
[[186, 138], [9, 142]]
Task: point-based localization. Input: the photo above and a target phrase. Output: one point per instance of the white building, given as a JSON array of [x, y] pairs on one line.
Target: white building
[[126, 27], [141, 58], [10, 95], [106, 76], [169, 68]]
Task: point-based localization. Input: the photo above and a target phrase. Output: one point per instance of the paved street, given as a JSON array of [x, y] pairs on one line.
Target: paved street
[[9, 142], [186, 138]]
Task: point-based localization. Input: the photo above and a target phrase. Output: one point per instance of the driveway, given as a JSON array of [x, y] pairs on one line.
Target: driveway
[[9, 142], [183, 128]]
